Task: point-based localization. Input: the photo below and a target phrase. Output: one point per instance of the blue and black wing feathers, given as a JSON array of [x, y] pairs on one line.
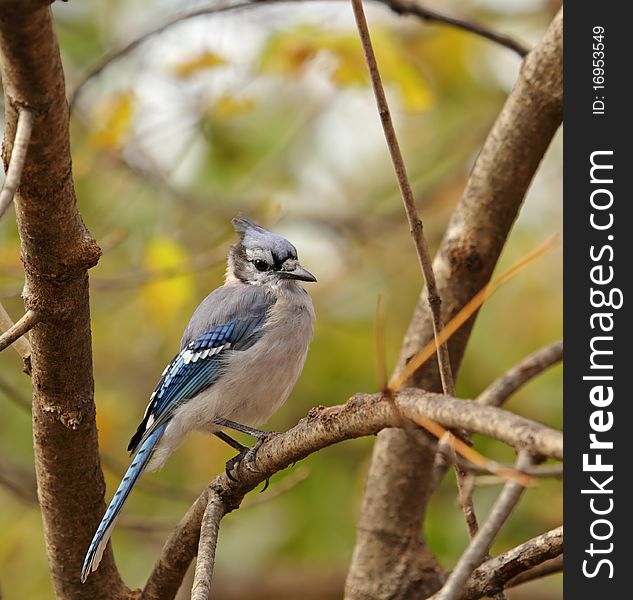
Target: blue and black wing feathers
[[196, 367]]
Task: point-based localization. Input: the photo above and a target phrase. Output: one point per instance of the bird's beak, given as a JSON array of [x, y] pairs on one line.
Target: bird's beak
[[299, 273]]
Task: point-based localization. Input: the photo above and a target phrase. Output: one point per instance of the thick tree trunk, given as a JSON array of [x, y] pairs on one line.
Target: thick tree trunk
[[389, 559], [57, 252]]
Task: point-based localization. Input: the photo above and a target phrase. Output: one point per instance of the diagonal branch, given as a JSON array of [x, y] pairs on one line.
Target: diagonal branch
[[409, 7], [361, 415], [549, 567], [415, 223], [22, 327], [419, 239], [514, 566], [22, 345], [401, 7], [18, 156], [388, 532], [209, 529], [480, 545], [502, 388]]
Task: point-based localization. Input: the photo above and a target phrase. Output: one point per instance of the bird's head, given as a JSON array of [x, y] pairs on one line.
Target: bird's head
[[262, 257]]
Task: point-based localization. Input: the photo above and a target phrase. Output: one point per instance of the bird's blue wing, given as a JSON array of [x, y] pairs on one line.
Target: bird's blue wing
[[196, 367]]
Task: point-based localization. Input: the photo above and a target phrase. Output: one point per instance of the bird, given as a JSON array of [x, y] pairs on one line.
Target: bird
[[240, 357]]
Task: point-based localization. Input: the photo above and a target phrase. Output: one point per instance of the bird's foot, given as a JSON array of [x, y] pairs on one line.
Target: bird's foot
[[247, 457], [232, 463]]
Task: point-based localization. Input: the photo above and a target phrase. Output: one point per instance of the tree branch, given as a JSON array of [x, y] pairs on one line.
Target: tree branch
[[419, 239], [549, 567], [401, 7], [57, 250], [22, 345], [415, 223], [480, 545], [209, 529], [361, 415], [409, 7], [22, 327], [388, 532], [18, 156], [514, 567], [505, 386]]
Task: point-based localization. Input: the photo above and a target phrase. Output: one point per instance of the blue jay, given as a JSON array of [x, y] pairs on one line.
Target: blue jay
[[239, 359]]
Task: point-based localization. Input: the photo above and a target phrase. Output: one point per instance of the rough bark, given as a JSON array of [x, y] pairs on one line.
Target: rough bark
[[507, 568], [56, 251], [361, 415], [465, 261]]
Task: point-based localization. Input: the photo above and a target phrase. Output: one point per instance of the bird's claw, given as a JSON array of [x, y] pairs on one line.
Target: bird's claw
[[233, 463], [247, 458]]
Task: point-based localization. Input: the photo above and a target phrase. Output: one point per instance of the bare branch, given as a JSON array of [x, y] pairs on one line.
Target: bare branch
[[178, 552], [409, 7], [549, 567], [480, 545], [23, 326], [517, 565], [209, 530], [363, 414], [401, 7], [21, 345], [389, 528], [415, 223], [506, 385], [57, 251], [18, 156], [187, 15], [419, 240]]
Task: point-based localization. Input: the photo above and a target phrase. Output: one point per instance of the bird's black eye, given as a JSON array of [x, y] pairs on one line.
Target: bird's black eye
[[261, 265]]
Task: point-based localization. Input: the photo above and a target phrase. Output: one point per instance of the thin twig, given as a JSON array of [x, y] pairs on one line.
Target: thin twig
[[549, 567], [18, 156], [24, 325], [22, 345], [379, 337], [465, 313], [502, 388], [470, 249], [415, 223], [525, 562], [419, 239], [209, 530], [407, 7], [401, 7], [480, 545], [553, 471], [187, 15]]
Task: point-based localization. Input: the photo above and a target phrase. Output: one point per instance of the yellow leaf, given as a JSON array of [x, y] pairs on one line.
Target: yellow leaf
[[191, 66], [167, 294], [398, 68], [115, 121], [289, 52], [228, 107]]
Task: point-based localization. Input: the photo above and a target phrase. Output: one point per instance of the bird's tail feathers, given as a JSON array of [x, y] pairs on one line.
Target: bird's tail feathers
[[104, 531]]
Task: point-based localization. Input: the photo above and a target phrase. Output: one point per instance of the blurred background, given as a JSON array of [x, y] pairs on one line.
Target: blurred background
[[267, 111]]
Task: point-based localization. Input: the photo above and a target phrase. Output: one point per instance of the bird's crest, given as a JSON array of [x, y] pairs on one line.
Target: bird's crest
[[242, 225]]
